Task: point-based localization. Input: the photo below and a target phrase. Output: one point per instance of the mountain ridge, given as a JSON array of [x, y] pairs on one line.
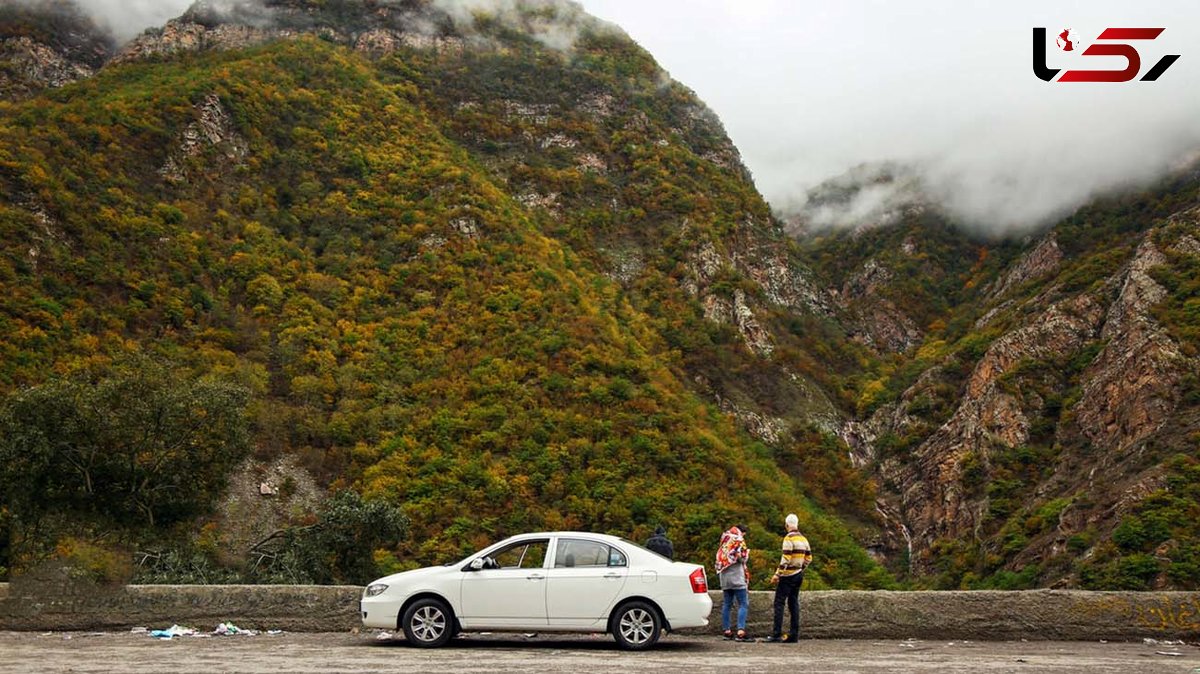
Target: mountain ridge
[[246, 223], [473, 266]]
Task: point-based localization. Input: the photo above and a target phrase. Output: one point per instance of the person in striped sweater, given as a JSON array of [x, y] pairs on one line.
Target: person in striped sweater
[[797, 555]]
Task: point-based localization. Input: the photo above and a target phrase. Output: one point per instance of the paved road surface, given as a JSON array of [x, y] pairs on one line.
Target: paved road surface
[[91, 652]]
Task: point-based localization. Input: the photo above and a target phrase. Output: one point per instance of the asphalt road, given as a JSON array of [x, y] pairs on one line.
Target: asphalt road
[[136, 653]]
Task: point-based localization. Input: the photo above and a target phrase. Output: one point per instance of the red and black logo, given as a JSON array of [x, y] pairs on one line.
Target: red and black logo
[[1106, 45]]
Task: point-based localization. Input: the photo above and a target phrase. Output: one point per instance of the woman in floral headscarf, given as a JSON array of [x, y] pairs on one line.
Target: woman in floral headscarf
[[733, 557]]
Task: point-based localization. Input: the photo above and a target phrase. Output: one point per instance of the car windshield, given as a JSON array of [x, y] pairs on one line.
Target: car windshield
[[478, 553]]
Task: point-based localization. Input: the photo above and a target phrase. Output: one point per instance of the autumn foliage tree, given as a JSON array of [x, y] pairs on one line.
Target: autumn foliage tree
[[137, 445]]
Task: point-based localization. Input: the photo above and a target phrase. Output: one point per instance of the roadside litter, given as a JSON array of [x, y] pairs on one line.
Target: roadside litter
[[173, 631], [225, 629], [229, 629]]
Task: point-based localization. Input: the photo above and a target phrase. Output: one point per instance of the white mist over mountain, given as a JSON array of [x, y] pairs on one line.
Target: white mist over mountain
[[127, 18], [809, 90]]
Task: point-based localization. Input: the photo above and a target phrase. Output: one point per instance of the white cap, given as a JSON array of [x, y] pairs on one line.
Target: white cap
[[793, 522]]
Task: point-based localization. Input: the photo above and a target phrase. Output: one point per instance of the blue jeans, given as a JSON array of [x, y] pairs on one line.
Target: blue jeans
[[743, 600]]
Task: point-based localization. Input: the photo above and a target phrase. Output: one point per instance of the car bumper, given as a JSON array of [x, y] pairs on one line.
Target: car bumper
[[380, 612], [687, 611]]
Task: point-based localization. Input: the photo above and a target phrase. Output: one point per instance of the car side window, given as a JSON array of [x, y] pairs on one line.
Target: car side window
[[573, 553], [535, 555], [523, 555], [616, 558]]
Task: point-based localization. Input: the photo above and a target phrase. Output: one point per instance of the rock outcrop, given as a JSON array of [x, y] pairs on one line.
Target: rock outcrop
[[213, 130], [1037, 264], [1133, 385], [933, 498], [33, 66], [47, 44], [1094, 369], [185, 36], [873, 319]]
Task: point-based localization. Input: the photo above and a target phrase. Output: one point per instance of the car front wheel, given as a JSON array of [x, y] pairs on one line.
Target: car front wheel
[[636, 626], [428, 623]]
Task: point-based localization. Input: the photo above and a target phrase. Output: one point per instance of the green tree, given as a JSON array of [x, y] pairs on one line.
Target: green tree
[[339, 548], [139, 444]]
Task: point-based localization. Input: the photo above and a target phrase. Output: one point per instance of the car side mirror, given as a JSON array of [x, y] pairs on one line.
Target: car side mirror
[[477, 564]]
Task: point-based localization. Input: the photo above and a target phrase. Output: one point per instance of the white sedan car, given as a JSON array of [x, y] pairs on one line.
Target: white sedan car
[[561, 581]]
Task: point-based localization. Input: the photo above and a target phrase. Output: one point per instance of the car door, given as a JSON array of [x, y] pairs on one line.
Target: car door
[[510, 592], [585, 581]]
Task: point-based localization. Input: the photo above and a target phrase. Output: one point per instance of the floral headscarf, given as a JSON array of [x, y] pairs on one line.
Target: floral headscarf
[[732, 550]]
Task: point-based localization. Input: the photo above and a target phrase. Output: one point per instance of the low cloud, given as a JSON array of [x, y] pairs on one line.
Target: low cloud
[[554, 23], [870, 195], [557, 24], [128, 18], [808, 91]]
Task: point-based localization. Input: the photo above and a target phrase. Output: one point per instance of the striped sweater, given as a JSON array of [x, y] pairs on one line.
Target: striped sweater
[[796, 554]]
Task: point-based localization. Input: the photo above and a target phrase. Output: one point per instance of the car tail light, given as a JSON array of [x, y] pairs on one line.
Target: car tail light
[[699, 581]]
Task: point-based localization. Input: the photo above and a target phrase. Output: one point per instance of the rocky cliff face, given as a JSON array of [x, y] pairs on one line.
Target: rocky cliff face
[[874, 319], [46, 45], [378, 29], [1038, 263], [1067, 414], [990, 418], [1133, 385]]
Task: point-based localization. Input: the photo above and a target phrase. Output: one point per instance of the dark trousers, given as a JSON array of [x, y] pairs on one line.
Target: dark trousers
[[788, 591]]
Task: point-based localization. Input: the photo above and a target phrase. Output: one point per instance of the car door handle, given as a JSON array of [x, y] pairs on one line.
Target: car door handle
[[535, 576], [612, 575]]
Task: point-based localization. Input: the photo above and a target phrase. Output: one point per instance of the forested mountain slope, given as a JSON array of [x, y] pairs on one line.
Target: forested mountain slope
[[472, 273], [494, 314]]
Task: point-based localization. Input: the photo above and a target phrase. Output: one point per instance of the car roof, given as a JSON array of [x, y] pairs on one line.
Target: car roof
[[567, 534]]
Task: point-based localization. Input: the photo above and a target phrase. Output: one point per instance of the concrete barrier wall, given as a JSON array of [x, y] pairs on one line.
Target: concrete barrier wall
[[1036, 614], [1039, 614]]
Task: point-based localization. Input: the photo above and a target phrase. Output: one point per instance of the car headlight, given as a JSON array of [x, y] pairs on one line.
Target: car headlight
[[375, 589]]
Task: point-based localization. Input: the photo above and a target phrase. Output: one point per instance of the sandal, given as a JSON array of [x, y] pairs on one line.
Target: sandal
[[727, 634], [741, 636]]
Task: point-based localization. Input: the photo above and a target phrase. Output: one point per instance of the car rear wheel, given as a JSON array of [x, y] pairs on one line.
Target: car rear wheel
[[636, 626], [428, 623]]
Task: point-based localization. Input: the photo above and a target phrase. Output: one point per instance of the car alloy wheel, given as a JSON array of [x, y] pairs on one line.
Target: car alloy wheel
[[427, 623], [637, 626]]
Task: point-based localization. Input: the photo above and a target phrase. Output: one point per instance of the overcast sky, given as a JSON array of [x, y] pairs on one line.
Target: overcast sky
[[810, 89]]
